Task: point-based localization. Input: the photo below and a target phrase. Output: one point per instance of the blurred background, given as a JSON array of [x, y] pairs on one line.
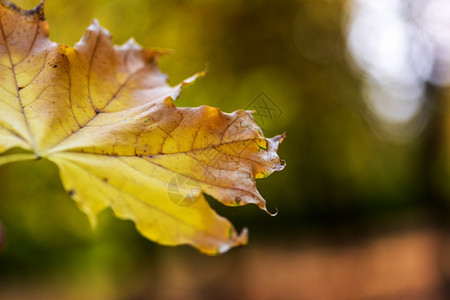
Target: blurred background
[[361, 89]]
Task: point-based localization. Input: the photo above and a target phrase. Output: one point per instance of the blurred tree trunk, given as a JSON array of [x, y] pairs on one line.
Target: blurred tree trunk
[[433, 170], [2, 237], [434, 146]]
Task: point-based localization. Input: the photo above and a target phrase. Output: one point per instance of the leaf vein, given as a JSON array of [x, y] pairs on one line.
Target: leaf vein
[[39, 72], [32, 43]]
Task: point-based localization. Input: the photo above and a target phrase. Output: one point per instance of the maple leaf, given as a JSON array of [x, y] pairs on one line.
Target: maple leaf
[[103, 114]]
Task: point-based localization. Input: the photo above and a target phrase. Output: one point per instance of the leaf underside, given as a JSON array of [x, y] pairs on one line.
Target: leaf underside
[[104, 114]]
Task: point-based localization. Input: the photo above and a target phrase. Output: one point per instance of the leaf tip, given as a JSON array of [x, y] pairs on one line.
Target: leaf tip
[[93, 221], [273, 214], [279, 138], [274, 144], [242, 238], [96, 27], [132, 43], [262, 206], [193, 78], [168, 101], [92, 216], [236, 240]]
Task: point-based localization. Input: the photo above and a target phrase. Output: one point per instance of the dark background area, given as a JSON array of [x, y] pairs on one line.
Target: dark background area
[[363, 202]]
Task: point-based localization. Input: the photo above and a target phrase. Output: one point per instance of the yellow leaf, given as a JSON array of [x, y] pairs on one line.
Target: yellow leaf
[[104, 115]]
